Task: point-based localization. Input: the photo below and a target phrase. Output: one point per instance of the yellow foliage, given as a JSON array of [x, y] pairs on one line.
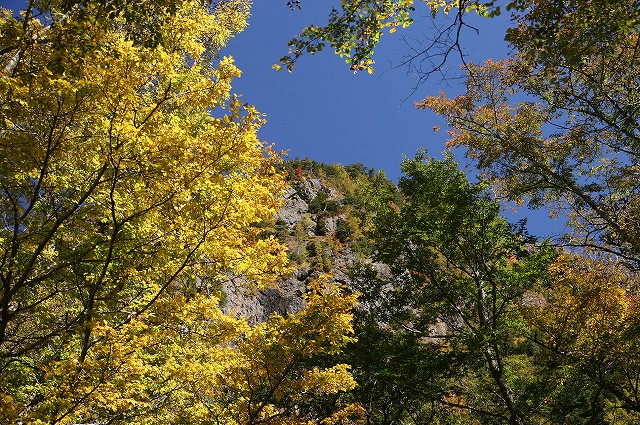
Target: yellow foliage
[[354, 414], [183, 361], [587, 312]]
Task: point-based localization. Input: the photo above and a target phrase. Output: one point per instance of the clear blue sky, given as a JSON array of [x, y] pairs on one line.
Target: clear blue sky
[[323, 111]]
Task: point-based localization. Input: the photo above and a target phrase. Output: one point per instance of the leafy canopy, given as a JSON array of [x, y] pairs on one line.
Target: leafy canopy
[[459, 278], [551, 28]]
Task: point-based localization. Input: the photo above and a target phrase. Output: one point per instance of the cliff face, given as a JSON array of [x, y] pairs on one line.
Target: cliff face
[[322, 225]]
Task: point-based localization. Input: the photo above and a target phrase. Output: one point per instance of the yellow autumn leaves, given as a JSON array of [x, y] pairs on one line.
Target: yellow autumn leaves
[[186, 362]]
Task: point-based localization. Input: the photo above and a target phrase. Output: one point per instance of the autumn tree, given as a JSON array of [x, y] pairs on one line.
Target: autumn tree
[[571, 147], [556, 126], [553, 126], [183, 361], [586, 326], [132, 183]]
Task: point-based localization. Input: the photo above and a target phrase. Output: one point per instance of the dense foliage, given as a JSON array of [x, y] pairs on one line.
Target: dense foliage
[[474, 321], [133, 185], [555, 126]]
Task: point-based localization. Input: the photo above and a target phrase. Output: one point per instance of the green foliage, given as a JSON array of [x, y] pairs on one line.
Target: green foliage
[[400, 377], [572, 147], [567, 30], [525, 340], [297, 248], [363, 246], [320, 255], [358, 171], [456, 265], [343, 230], [272, 227], [353, 32], [319, 203], [571, 31], [323, 206], [321, 227]]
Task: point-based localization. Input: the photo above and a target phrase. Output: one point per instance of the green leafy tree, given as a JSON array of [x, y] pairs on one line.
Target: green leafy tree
[[460, 278], [400, 378], [354, 30], [568, 29], [343, 230], [318, 204], [321, 227], [571, 146]]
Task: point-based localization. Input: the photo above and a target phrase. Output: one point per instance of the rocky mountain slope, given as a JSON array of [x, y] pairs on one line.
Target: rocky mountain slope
[[322, 223]]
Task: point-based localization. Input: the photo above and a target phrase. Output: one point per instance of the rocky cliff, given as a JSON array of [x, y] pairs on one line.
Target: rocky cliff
[[322, 224]]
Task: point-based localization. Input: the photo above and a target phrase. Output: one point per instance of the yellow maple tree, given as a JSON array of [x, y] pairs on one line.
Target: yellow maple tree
[[132, 181]]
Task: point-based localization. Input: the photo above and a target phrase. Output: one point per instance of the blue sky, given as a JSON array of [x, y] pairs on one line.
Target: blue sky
[[323, 111]]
